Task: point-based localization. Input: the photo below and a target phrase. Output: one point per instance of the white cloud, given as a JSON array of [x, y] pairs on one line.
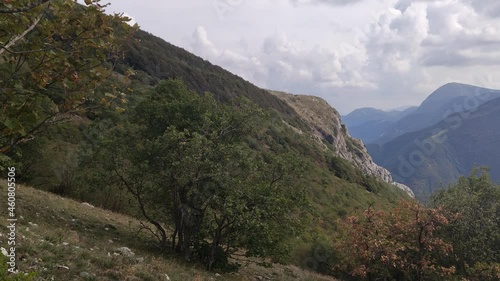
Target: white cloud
[[383, 53]]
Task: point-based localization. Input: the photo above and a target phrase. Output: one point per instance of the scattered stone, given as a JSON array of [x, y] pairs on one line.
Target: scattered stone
[[125, 251], [4, 251], [217, 274], [65, 243], [110, 241], [110, 226], [106, 229], [62, 266], [168, 278], [33, 224], [140, 260], [88, 205], [87, 275]]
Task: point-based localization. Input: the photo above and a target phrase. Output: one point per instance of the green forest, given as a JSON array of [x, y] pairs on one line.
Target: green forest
[[212, 167]]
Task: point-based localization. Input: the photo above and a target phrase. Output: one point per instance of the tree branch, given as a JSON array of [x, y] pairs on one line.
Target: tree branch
[[14, 40], [24, 9]]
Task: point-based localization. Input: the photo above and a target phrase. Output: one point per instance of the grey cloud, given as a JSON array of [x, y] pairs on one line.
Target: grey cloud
[[489, 8], [444, 57], [486, 7], [403, 5]]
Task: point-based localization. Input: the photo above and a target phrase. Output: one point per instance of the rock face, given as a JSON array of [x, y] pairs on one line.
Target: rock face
[[326, 126]]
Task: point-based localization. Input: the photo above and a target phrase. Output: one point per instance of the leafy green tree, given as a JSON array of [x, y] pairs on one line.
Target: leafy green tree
[[53, 56], [475, 234], [185, 160]]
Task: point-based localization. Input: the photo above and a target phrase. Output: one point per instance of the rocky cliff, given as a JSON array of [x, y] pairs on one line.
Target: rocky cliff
[[327, 129]]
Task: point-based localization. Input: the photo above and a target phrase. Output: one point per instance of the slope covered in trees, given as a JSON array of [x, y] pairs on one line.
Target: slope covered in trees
[[211, 166]]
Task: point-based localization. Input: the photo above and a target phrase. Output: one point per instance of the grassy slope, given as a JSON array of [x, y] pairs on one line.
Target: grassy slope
[[60, 238]]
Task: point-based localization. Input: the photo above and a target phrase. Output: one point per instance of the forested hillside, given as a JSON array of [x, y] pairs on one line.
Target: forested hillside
[[215, 172]]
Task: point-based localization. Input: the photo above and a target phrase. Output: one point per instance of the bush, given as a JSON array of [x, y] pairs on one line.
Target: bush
[[6, 276]]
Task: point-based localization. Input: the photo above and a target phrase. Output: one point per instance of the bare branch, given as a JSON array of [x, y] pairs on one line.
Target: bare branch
[[14, 40]]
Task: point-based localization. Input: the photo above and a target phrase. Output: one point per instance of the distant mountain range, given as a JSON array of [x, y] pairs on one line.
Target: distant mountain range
[[370, 124], [432, 145]]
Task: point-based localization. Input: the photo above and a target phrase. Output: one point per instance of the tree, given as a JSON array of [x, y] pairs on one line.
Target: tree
[[53, 56], [475, 235], [399, 245], [185, 160]]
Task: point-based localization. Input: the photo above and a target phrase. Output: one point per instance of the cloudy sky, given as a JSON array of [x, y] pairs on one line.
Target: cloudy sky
[[353, 53]]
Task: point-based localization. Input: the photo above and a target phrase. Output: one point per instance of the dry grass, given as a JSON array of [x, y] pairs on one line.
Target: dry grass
[[62, 239]]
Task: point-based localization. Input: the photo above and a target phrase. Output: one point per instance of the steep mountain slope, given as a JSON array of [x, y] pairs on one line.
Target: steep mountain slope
[[155, 59], [326, 128], [446, 100], [436, 156], [369, 124], [62, 239], [338, 176]]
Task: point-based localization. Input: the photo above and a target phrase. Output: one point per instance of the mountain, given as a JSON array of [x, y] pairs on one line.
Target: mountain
[[341, 176], [326, 128], [162, 60], [431, 158], [446, 100], [154, 59], [369, 124], [325, 125]]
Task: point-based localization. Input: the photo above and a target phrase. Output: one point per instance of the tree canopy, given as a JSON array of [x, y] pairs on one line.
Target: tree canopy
[[53, 55], [185, 160]]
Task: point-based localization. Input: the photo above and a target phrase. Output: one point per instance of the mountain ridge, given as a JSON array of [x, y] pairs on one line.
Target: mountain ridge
[[436, 156], [325, 124]]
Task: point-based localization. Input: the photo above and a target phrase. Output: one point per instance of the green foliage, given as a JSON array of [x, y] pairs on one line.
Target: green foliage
[[475, 233], [156, 60], [184, 159], [343, 169], [53, 55], [211, 173], [6, 276]]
